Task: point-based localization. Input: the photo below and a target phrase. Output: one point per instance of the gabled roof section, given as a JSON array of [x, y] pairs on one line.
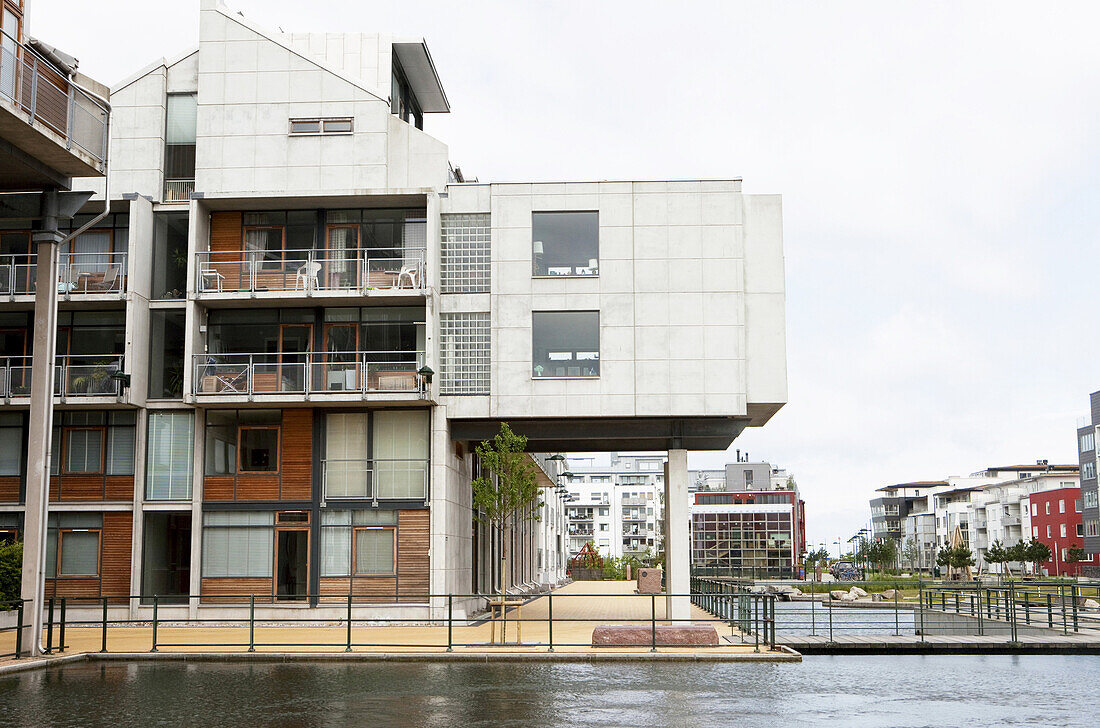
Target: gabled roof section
[[420, 71], [283, 42]]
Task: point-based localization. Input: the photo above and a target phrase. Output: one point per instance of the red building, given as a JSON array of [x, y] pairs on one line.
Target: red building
[[1056, 521]]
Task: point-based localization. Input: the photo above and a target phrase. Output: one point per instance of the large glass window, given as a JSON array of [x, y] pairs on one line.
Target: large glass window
[[179, 140], [368, 535], [253, 434], [347, 468], [72, 544], [565, 243], [169, 255], [11, 443], [238, 543], [401, 453], [166, 354], [565, 344], [171, 458]]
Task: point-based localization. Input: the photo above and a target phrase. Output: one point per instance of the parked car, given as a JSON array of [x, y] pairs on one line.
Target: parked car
[[846, 571]]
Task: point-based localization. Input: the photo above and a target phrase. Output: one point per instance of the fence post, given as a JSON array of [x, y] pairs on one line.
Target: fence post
[[49, 629], [251, 622], [61, 629], [1010, 606], [813, 625], [1050, 612], [550, 618], [1073, 605], [981, 625], [897, 623], [19, 630], [756, 622], [155, 600], [348, 647], [920, 599], [830, 617], [653, 622], [1061, 593], [450, 620], [103, 646]]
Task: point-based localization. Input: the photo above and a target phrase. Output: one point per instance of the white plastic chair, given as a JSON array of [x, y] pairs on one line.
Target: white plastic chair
[[409, 272], [211, 279], [307, 276]]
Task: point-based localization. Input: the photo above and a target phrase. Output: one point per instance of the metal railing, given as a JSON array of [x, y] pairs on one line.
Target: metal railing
[[178, 190], [362, 372], [92, 273], [750, 617], [17, 274], [374, 479], [33, 84], [310, 270], [74, 376]]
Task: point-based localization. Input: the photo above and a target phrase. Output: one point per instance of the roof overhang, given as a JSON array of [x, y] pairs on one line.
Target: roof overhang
[[608, 434], [420, 72]]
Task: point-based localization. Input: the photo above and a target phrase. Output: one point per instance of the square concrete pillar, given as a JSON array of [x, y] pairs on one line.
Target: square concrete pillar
[[677, 543]]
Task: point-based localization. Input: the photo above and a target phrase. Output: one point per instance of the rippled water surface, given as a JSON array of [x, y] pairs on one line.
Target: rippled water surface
[[847, 690]]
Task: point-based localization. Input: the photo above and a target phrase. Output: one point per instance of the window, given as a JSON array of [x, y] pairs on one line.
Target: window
[[315, 126], [1035, 532], [179, 138], [1088, 471], [1034, 509], [251, 434], [371, 532], [259, 448], [83, 450], [346, 467], [748, 477], [464, 353], [238, 544], [1088, 441], [464, 253], [166, 339], [400, 441], [1047, 505], [565, 243], [72, 544], [1048, 531], [1061, 506], [1077, 506], [1062, 530], [11, 443], [1080, 530], [170, 457], [169, 268], [565, 344], [403, 103]]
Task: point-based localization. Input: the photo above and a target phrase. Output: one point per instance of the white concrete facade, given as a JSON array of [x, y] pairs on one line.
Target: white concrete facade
[[618, 507]]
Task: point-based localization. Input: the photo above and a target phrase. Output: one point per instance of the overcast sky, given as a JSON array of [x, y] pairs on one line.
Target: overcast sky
[[939, 164]]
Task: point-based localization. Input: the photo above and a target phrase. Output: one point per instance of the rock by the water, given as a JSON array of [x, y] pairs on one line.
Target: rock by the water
[[855, 591], [838, 594]]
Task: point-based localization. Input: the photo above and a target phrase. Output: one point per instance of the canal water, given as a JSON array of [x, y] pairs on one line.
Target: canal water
[[939, 691]]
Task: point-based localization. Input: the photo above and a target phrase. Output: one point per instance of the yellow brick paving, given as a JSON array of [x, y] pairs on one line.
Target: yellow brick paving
[[577, 608]]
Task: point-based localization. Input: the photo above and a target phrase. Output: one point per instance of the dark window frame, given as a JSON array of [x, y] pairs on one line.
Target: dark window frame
[[278, 450], [61, 546]]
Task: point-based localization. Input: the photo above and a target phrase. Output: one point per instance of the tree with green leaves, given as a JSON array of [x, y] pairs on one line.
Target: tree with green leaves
[[997, 554], [1016, 552], [1075, 554], [910, 551], [506, 494], [955, 558], [11, 570], [1036, 552]]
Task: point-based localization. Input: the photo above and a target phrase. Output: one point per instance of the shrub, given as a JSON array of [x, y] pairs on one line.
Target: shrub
[[11, 570]]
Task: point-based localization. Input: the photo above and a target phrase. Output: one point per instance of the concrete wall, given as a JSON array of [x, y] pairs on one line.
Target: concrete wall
[[671, 292]]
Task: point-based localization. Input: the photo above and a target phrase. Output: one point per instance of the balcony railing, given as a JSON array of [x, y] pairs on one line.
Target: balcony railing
[[17, 274], [364, 372], [309, 271], [74, 376], [91, 273], [33, 84], [178, 190], [375, 480]]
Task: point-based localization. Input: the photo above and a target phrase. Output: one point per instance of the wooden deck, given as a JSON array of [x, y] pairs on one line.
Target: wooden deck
[[1084, 642]]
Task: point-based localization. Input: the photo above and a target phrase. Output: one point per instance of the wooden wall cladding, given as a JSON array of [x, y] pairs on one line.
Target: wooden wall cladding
[[225, 233], [230, 590], [413, 564], [114, 569], [9, 489], [257, 488], [73, 488], [296, 453]]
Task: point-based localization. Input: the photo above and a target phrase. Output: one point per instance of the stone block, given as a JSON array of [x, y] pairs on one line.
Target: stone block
[[649, 580], [667, 635]]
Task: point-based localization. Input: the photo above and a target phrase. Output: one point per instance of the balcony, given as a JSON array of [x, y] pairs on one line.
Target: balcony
[[313, 272], [375, 480], [17, 274], [1010, 520], [77, 274], [575, 531], [54, 122], [178, 190], [74, 377], [343, 375]]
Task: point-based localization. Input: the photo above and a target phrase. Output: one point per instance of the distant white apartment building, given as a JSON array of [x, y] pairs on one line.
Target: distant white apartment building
[[619, 507]]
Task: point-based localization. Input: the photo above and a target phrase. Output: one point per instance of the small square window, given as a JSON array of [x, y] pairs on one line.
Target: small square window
[[259, 449], [565, 344], [565, 243]]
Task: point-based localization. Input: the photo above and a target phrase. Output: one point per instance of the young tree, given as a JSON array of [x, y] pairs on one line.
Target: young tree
[[1037, 552], [1074, 554], [1016, 552], [997, 554], [911, 553], [507, 492]]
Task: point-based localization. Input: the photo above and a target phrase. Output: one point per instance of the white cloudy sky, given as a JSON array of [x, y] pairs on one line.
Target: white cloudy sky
[[939, 164]]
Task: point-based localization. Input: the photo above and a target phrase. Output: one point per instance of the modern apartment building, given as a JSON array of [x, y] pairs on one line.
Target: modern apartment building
[[1088, 433], [618, 507], [751, 520], [1056, 521], [278, 352], [889, 511]]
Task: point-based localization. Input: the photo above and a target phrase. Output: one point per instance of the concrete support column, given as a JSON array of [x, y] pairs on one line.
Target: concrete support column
[[195, 587], [677, 543], [41, 421]]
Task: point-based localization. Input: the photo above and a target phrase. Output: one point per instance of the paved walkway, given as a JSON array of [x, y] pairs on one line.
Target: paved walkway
[[577, 609]]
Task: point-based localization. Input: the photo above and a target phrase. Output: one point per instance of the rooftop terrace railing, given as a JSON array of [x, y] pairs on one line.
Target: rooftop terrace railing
[[38, 88], [307, 373], [310, 270]]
